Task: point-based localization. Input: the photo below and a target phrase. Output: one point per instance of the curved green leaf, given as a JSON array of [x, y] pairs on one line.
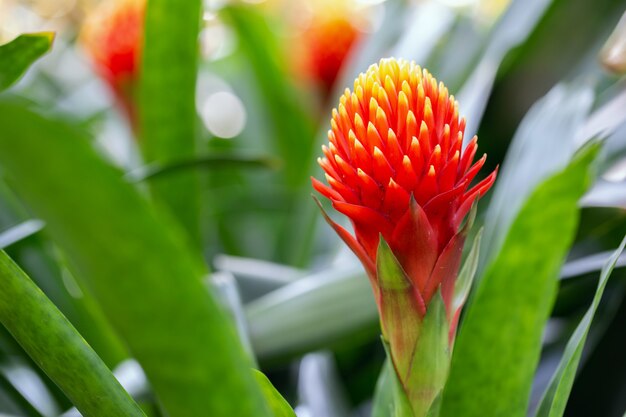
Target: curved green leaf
[[555, 398], [500, 339], [147, 280], [19, 54], [58, 348]]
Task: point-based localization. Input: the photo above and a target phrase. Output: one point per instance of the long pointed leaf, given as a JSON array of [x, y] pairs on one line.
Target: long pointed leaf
[[58, 348], [167, 102], [555, 398], [147, 280], [500, 339]]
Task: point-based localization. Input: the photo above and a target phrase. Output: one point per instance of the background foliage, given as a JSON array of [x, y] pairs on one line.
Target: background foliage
[[182, 245]]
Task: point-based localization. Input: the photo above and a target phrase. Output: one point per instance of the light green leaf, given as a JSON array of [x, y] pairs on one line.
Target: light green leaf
[[500, 338], [278, 405], [56, 347], [167, 121], [467, 273], [430, 365], [390, 400], [555, 398], [382, 404], [431, 360], [19, 54], [137, 264]]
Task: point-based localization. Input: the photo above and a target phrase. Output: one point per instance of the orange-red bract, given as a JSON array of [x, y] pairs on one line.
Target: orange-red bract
[[396, 166]]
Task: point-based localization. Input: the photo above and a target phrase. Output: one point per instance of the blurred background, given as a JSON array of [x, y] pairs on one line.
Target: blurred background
[[535, 79]]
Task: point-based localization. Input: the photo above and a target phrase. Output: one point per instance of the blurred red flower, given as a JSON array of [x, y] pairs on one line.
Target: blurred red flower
[[327, 42], [113, 37]]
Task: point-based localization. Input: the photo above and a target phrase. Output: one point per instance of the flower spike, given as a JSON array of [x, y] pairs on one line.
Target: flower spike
[[396, 168]]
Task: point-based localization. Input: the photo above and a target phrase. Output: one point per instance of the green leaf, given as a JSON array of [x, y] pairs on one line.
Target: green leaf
[[430, 363], [466, 274], [46, 266], [555, 398], [500, 339], [19, 54], [233, 160], [137, 264], [58, 348], [431, 360], [383, 402], [292, 124], [278, 405], [167, 121], [390, 400], [294, 129], [543, 145]]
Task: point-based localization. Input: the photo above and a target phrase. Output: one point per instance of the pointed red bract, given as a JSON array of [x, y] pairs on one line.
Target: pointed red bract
[[395, 166]]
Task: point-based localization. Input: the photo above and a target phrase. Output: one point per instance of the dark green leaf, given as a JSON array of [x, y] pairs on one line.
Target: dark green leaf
[[147, 280], [555, 398], [58, 348], [19, 54], [500, 338]]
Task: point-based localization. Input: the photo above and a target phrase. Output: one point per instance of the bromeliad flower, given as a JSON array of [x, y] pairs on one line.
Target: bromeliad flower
[[113, 36], [329, 40], [396, 167]]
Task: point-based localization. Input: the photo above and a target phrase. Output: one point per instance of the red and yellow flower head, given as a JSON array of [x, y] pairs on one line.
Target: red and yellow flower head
[[113, 37], [395, 165]]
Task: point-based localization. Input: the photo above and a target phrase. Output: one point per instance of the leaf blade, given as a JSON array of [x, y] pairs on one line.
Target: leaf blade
[[58, 348], [138, 264], [167, 121], [494, 360], [555, 398], [19, 54]]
